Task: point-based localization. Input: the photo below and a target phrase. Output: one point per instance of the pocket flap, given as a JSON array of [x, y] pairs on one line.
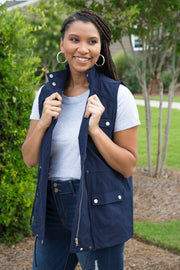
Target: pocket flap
[[108, 197]]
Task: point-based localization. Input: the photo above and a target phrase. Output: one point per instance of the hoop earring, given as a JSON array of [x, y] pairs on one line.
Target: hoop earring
[[58, 54], [103, 61]]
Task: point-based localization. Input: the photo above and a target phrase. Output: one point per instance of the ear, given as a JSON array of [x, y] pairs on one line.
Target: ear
[[61, 46]]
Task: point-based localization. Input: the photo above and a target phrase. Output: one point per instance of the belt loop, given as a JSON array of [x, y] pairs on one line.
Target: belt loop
[[72, 186], [75, 189]]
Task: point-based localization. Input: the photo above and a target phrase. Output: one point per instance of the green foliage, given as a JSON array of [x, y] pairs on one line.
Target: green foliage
[[164, 234], [121, 63], [46, 19], [166, 78], [130, 79], [18, 66], [126, 73]]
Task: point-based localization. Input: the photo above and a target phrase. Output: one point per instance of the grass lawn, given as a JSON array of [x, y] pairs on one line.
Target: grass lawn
[[165, 98], [164, 234], [173, 153]]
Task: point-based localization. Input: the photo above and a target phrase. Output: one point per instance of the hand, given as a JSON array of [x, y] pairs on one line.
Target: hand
[[51, 108], [94, 110]]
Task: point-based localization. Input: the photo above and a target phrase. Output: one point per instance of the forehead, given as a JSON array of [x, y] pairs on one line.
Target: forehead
[[82, 28]]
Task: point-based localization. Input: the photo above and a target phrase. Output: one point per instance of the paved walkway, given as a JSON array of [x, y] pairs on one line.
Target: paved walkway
[[155, 103]]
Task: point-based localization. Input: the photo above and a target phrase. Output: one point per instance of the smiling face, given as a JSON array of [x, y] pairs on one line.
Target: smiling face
[[81, 46]]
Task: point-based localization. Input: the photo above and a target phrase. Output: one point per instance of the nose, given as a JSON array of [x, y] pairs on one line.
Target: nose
[[83, 48]]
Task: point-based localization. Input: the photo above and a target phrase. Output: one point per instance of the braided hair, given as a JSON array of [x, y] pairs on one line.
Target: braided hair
[[86, 15]]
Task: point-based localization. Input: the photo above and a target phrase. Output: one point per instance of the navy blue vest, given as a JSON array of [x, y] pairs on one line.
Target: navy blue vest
[[104, 213]]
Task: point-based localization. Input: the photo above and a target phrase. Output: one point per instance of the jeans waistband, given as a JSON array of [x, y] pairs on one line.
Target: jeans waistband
[[64, 187]]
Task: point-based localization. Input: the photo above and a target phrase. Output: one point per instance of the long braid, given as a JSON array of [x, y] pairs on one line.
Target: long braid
[[86, 15]]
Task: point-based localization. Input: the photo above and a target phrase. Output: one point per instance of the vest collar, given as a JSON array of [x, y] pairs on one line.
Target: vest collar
[[58, 78]]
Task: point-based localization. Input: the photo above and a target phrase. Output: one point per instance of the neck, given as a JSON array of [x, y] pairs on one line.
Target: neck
[[76, 85]]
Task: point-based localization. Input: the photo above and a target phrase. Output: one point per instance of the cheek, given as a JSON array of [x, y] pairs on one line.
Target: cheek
[[97, 51]]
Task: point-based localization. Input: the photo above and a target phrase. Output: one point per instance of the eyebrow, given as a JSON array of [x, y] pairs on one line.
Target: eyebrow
[[74, 35]]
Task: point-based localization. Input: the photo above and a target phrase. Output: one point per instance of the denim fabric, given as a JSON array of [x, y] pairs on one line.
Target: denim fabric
[[102, 259], [53, 254], [61, 203]]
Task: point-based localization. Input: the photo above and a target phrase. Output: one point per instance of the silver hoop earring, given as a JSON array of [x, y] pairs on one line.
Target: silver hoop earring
[[103, 61], [58, 54]]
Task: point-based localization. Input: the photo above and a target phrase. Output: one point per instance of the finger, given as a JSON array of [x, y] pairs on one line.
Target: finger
[[93, 110], [52, 112], [95, 105], [54, 100], [95, 98], [57, 96], [52, 103]]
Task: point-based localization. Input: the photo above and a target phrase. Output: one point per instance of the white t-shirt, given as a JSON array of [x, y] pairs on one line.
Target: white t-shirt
[[65, 154]]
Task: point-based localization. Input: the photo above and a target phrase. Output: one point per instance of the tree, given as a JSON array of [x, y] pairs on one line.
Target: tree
[[156, 23], [18, 66], [46, 18]]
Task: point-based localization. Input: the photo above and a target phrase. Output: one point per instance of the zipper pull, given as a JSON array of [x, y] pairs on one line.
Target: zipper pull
[[76, 241]]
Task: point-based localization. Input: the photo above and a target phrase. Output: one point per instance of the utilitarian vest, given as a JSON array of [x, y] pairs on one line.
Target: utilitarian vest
[[104, 211]]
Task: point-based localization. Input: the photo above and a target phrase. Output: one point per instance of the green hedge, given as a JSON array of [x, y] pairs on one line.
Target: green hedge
[[18, 66], [126, 73]]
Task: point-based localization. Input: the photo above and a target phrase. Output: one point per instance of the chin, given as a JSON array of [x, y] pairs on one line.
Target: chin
[[82, 69]]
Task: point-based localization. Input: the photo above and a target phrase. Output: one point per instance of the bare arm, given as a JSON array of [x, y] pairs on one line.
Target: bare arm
[[121, 153], [37, 129]]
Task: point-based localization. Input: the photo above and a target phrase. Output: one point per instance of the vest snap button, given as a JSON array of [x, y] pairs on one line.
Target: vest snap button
[[95, 200], [51, 75], [119, 197], [107, 123], [54, 84]]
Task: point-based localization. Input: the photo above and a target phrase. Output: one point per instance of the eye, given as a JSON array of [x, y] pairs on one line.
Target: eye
[[74, 39], [93, 41]]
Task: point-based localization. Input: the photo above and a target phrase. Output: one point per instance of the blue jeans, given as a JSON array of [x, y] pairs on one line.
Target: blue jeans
[[54, 253]]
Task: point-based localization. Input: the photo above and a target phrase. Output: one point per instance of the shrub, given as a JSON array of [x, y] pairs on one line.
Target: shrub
[[126, 73], [121, 64], [17, 84], [166, 78]]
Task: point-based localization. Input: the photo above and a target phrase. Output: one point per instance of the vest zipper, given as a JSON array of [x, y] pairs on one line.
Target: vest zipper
[[80, 206]]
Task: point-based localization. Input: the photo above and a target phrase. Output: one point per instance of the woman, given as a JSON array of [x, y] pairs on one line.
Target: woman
[[83, 133]]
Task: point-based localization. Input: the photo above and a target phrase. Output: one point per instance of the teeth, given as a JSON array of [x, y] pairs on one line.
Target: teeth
[[82, 59]]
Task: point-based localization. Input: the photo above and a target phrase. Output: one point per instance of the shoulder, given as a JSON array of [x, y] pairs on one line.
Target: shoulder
[[125, 98], [109, 87], [124, 92], [127, 114], [45, 92]]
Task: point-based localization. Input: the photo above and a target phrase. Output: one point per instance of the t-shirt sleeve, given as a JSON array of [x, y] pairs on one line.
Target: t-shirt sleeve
[[35, 108], [127, 115]]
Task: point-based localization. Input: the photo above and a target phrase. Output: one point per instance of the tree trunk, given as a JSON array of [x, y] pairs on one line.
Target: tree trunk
[[157, 170], [170, 99], [148, 127], [141, 77]]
